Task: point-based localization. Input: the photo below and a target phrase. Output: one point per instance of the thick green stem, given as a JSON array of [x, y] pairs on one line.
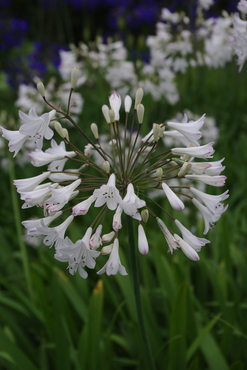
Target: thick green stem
[[136, 286], [23, 249]]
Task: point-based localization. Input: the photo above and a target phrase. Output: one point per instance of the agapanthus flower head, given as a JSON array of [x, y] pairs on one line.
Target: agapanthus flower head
[[114, 176]]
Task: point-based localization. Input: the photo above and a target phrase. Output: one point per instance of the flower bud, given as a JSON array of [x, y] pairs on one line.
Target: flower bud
[[41, 88], [105, 111], [74, 77], [127, 103], [139, 96], [65, 134], [106, 166], [107, 249], [107, 238], [111, 115], [156, 131], [95, 131], [140, 112], [145, 215], [58, 127], [184, 169], [159, 173]]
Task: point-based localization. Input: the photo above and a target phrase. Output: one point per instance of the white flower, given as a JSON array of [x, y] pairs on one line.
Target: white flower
[[195, 242], [16, 140], [142, 240], [132, 202], [38, 196], [186, 248], [113, 265], [61, 195], [83, 207], [204, 151], [207, 168], [108, 194], [54, 234], [115, 103], [36, 127], [173, 199], [56, 156], [116, 223], [212, 202], [78, 255], [172, 244], [209, 180], [209, 218], [190, 130], [30, 183], [95, 240], [31, 225]]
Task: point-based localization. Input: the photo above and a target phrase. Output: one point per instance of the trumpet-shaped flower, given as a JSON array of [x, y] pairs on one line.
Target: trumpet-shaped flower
[[131, 203], [54, 235], [16, 140], [108, 194], [191, 130], [113, 265], [203, 151], [83, 207], [195, 242], [36, 127], [212, 202], [209, 180], [78, 255], [30, 183]]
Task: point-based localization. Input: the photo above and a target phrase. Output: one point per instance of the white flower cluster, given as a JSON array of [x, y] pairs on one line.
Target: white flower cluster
[[134, 165]]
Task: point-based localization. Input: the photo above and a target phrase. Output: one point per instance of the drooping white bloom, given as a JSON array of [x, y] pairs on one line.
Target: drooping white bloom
[[54, 155], [30, 183], [131, 203], [212, 202], [16, 140], [186, 248], [116, 223], [209, 218], [78, 255], [203, 151], [63, 176], [209, 180], [207, 168], [195, 242], [115, 103], [83, 207], [36, 127], [142, 240], [172, 244], [96, 240], [54, 235], [191, 130], [31, 225], [113, 265], [173, 199], [37, 196], [61, 195], [108, 194]]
